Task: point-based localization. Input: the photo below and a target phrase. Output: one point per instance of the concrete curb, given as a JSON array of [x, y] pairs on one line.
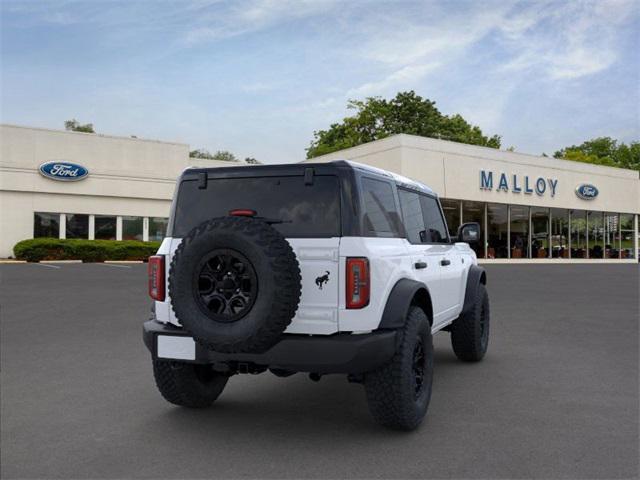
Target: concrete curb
[[60, 261], [9, 261], [556, 261], [124, 261]]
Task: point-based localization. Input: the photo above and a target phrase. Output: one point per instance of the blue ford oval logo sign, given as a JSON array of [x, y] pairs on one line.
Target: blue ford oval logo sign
[[64, 171], [586, 191]]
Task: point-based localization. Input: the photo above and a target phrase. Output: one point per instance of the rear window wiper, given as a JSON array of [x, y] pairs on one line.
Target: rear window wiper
[[272, 221]]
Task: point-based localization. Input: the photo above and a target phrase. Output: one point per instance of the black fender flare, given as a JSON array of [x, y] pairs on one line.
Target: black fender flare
[[405, 293], [475, 277]]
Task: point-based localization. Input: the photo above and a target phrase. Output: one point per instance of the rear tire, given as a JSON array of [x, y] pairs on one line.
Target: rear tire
[[187, 384], [398, 394], [470, 332]]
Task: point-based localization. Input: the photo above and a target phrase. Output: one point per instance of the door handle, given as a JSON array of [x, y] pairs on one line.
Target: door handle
[[445, 262], [419, 265]]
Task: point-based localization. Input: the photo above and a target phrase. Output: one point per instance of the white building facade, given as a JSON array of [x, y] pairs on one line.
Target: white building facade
[[530, 208], [126, 193], [76, 185]]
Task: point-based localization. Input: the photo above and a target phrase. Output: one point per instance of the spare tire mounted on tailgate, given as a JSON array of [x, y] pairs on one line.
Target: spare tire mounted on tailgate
[[235, 284]]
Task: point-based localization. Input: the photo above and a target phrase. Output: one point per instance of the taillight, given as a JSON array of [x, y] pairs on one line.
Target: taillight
[[358, 282], [156, 277]]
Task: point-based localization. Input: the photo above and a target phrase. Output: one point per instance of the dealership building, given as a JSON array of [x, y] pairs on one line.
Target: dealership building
[[537, 209], [121, 190]]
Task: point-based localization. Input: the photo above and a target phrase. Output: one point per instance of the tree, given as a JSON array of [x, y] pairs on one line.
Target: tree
[[222, 155], [377, 118], [75, 126], [200, 153], [252, 161], [225, 156], [604, 151]]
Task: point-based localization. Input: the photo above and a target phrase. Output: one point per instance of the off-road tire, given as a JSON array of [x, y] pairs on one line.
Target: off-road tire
[[277, 274], [470, 331], [188, 385], [391, 390]]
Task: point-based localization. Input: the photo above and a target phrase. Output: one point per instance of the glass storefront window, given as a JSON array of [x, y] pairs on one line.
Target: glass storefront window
[[611, 236], [626, 236], [578, 234], [132, 228], [596, 235], [77, 226], [105, 227], [519, 231], [539, 232], [451, 209], [157, 228], [46, 225], [474, 212], [555, 232], [559, 233], [497, 231]]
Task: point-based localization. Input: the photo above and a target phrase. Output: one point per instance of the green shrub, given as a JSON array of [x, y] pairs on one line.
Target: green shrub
[[37, 249]]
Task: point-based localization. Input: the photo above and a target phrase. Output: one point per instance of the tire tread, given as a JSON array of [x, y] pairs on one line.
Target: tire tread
[[466, 332], [389, 389], [179, 384]]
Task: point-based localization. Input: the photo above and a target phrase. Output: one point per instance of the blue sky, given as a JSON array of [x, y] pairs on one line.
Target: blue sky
[[258, 77]]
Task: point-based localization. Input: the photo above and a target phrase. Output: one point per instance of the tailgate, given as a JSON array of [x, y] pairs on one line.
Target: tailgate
[[318, 309]]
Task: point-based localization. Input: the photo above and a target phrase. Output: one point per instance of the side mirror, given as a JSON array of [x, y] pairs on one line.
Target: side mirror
[[469, 232]]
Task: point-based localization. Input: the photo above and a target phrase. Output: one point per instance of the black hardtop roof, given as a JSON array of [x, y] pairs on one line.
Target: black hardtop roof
[[319, 168], [279, 169]]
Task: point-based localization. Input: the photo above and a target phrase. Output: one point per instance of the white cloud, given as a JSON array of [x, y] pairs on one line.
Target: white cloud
[[251, 16], [481, 59], [402, 39], [564, 41], [405, 77], [557, 39]]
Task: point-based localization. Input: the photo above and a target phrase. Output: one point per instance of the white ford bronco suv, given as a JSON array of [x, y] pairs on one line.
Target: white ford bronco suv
[[320, 268]]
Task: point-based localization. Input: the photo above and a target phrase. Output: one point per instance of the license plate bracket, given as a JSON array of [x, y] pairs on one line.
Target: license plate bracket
[[176, 347]]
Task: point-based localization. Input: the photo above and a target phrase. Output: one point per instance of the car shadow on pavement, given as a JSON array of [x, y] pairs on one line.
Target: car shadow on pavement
[[295, 406]]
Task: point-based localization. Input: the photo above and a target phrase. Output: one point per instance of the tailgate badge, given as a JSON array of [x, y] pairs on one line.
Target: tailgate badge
[[322, 279]]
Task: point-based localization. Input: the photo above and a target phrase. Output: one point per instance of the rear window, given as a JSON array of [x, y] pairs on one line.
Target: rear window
[[306, 210]]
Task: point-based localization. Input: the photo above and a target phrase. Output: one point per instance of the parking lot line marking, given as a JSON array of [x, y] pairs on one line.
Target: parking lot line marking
[[113, 265], [47, 265]]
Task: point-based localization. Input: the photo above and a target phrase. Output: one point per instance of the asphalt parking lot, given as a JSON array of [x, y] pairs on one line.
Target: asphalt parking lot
[[556, 397]]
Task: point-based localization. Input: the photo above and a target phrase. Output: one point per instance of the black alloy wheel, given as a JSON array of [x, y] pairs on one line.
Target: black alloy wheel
[[225, 285]]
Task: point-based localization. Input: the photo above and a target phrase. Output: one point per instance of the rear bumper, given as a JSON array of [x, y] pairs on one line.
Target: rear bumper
[[339, 353]]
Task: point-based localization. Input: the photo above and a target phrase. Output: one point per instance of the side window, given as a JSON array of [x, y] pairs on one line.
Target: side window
[[436, 230], [412, 215], [380, 215]]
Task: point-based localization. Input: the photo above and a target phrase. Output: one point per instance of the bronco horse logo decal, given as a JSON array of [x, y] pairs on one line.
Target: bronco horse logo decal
[[321, 280]]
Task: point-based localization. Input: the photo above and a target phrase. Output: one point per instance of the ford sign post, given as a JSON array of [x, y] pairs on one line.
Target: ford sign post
[[586, 191], [64, 171]]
